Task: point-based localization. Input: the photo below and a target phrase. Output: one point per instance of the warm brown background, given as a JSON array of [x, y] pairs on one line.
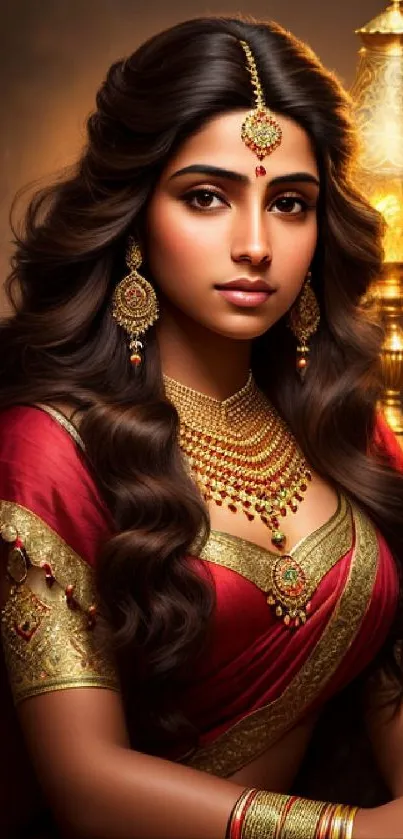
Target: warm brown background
[[54, 53]]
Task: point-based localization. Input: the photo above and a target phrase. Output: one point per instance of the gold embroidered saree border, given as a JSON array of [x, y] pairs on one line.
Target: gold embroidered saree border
[[252, 735], [43, 544], [65, 684], [255, 563], [63, 422]]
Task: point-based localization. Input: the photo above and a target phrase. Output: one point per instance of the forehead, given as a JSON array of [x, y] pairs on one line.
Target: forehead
[[219, 142]]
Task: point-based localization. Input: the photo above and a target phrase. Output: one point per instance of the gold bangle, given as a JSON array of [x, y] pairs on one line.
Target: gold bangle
[[334, 827], [342, 822], [264, 816], [303, 820], [286, 809], [275, 816], [349, 816], [325, 821]]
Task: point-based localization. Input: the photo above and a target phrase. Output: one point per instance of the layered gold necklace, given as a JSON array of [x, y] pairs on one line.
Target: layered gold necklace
[[241, 454]]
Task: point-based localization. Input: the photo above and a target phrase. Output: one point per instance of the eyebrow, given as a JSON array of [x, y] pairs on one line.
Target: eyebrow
[[205, 169]]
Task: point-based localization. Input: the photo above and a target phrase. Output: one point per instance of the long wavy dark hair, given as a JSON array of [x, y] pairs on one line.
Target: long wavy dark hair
[[62, 343]]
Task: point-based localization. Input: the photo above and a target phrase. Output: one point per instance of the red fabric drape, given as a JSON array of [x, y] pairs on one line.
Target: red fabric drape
[[252, 659]]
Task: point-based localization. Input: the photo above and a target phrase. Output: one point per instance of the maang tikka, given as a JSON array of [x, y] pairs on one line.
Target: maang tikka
[[260, 131], [303, 320], [134, 303]]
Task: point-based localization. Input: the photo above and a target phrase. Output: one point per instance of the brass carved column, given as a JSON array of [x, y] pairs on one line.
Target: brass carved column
[[378, 97]]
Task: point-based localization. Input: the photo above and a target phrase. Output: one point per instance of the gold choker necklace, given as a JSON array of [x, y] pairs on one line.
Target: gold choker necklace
[[241, 453]]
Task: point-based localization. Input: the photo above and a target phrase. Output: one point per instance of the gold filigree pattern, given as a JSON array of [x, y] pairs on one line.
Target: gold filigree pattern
[[377, 93], [135, 304], [255, 733], [311, 560], [261, 131], [49, 638], [44, 545], [377, 96], [48, 646]]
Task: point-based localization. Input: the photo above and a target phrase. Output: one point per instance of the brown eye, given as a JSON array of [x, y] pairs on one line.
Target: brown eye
[[290, 205], [203, 199]]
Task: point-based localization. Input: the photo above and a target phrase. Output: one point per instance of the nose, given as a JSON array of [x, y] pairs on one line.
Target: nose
[[251, 237]]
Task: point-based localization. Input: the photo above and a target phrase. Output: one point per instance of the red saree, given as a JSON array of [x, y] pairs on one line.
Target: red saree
[[258, 677]]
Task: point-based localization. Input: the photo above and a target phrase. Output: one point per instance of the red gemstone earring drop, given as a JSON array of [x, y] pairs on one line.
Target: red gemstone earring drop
[[303, 320]]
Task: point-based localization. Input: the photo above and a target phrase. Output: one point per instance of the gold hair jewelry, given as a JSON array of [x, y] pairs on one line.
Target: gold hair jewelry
[[304, 319], [241, 454], [260, 131], [134, 303]]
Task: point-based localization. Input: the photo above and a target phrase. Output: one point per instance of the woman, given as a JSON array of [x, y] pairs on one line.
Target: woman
[[201, 512]]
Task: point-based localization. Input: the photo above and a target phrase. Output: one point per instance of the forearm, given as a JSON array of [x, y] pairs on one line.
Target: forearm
[[99, 788], [119, 794]]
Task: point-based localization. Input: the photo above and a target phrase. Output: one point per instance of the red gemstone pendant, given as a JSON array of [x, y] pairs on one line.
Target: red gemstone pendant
[[260, 171]]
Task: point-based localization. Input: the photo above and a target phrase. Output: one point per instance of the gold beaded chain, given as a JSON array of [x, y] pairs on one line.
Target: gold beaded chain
[[241, 453]]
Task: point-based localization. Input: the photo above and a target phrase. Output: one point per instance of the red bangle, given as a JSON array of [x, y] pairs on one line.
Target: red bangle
[[237, 817], [325, 820]]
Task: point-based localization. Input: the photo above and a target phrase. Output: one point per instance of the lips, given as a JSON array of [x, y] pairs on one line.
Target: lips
[[246, 285]]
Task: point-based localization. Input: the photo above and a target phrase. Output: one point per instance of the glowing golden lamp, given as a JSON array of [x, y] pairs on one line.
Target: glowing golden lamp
[[378, 98]]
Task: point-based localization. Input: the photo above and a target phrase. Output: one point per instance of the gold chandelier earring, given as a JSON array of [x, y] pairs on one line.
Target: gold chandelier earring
[[303, 321], [134, 303]]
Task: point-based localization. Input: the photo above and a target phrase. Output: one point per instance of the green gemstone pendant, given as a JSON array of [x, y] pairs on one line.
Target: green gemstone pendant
[[277, 538]]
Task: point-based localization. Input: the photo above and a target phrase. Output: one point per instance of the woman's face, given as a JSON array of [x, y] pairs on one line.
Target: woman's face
[[212, 221]]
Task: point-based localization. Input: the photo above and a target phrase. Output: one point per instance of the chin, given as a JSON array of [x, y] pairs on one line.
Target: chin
[[241, 332]]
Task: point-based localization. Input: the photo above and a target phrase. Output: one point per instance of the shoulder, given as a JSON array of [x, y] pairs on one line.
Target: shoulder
[[28, 431], [35, 446], [44, 472]]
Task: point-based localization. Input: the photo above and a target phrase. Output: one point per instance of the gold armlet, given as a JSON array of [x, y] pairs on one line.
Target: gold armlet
[[265, 815], [49, 641]]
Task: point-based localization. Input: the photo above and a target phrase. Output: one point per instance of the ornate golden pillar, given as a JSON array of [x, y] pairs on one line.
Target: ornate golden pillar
[[378, 96]]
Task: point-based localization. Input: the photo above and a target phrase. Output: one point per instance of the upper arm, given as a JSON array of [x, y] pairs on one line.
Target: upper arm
[[49, 511], [51, 523]]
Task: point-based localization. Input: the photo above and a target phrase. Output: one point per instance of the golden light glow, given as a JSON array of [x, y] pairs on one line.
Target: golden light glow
[[391, 206], [378, 96], [394, 341]]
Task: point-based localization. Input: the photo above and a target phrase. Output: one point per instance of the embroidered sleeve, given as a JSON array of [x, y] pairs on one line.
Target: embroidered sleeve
[[50, 636]]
